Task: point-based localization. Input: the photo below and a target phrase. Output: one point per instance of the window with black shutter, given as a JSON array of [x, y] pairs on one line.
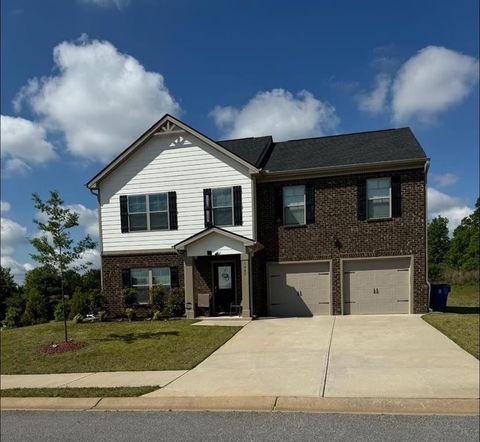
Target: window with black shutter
[[309, 204], [237, 206], [207, 207], [172, 210], [396, 196]]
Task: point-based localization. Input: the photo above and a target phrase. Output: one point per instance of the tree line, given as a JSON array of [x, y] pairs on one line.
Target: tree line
[[454, 259]]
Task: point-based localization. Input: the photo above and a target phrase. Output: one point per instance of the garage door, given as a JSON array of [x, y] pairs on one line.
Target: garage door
[[301, 289], [376, 286]]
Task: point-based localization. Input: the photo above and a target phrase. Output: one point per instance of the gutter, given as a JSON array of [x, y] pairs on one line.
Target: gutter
[[425, 170]]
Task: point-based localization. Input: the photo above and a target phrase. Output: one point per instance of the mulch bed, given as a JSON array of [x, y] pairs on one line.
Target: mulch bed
[[62, 347]]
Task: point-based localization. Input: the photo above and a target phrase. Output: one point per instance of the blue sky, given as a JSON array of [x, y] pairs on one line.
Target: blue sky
[[82, 78]]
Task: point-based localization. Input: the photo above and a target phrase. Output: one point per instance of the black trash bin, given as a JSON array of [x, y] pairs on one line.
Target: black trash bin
[[438, 297]]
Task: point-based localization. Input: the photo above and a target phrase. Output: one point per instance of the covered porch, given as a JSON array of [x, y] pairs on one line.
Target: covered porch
[[217, 272]]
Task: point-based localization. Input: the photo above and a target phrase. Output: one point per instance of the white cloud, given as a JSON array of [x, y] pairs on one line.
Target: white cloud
[[451, 207], [24, 144], [12, 235], [374, 101], [87, 218], [89, 256], [119, 4], [431, 81], [4, 206], [278, 113], [100, 99], [447, 179], [18, 269]]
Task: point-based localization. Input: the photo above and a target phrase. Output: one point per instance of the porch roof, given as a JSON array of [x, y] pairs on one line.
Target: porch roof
[[222, 236]]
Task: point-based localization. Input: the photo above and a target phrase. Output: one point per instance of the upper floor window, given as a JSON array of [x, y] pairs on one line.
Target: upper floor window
[[222, 206], [148, 212], [379, 198], [144, 279], [294, 205]]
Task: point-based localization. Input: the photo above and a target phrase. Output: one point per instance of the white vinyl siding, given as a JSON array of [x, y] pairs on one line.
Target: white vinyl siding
[[158, 168], [379, 198]]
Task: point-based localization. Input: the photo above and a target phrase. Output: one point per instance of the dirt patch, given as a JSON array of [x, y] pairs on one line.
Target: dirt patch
[[62, 347]]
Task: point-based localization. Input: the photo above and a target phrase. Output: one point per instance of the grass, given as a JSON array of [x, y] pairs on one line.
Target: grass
[[112, 346], [78, 392], [461, 321]]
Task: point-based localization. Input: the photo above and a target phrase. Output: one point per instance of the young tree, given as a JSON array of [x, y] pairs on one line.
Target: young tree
[[55, 247], [438, 240]]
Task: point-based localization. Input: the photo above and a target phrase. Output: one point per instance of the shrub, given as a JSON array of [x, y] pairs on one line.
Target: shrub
[[102, 315], [79, 304], [58, 314], [174, 304], [129, 297], [35, 309], [130, 313], [96, 300], [13, 317], [78, 318], [158, 295]]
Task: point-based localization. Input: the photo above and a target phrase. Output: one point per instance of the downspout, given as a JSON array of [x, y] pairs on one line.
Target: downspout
[[425, 170], [96, 192]]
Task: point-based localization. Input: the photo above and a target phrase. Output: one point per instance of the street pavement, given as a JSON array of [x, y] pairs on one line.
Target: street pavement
[[23, 426]]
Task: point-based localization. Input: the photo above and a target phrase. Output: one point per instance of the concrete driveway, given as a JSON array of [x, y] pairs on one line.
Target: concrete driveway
[[352, 356]]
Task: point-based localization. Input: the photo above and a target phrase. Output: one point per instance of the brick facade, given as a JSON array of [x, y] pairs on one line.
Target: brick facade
[[337, 233], [112, 266]]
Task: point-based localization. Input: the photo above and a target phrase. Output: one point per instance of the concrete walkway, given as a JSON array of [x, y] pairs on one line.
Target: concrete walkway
[[101, 379]]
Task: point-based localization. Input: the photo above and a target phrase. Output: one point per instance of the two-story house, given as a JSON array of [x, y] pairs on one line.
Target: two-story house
[[317, 226]]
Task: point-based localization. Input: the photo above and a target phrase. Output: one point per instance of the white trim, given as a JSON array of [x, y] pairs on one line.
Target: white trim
[[380, 197], [181, 245], [223, 207]]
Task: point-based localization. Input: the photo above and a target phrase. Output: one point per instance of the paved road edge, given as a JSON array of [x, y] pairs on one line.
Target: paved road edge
[[251, 403]]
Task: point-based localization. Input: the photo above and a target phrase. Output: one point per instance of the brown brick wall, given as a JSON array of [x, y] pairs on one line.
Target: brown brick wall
[[112, 266], [336, 219]]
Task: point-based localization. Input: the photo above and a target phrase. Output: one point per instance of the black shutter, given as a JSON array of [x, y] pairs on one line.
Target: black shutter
[[309, 204], [172, 210], [124, 213], [279, 204], [207, 207], [396, 196], [174, 277], [125, 278], [362, 199], [237, 206]]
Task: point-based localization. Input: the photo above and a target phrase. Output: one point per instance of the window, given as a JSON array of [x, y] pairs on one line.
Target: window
[[294, 205], [379, 198], [148, 212], [144, 279], [222, 206]]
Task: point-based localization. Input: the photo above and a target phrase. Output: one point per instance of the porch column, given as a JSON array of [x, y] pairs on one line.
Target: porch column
[[188, 276], [245, 268]]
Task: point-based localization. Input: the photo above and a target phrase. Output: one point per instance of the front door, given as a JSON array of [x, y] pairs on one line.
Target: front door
[[223, 287]]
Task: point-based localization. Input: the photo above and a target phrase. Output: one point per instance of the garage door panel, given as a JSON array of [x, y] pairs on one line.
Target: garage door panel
[[376, 286], [301, 289]]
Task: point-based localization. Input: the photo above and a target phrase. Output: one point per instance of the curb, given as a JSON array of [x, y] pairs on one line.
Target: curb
[[251, 403]]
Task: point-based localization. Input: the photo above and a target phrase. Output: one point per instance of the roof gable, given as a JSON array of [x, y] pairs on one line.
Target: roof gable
[[165, 126]]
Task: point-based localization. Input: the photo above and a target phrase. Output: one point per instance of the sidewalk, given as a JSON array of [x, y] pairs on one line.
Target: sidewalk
[[104, 379]]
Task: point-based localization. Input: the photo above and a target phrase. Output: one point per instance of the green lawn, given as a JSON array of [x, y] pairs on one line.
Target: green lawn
[[112, 346], [77, 392], [461, 322]]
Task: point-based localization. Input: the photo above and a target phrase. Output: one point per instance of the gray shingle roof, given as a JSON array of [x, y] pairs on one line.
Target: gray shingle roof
[[336, 150], [249, 149]]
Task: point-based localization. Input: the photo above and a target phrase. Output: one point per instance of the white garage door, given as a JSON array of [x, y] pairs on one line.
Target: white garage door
[[376, 286], [301, 289]]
